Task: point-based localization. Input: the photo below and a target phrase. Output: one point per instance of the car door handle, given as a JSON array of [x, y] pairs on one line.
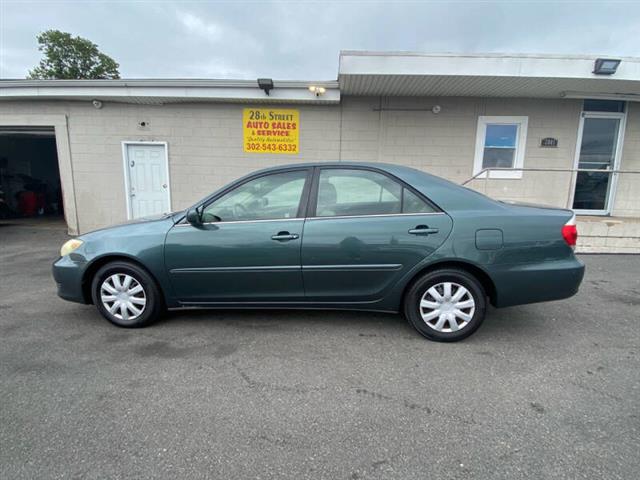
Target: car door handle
[[284, 236], [423, 230]]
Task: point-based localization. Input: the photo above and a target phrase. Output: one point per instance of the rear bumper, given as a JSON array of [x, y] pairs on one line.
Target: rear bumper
[[68, 277], [555, 280]]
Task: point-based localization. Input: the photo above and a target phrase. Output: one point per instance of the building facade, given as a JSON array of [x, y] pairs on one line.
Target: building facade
[[524, 128]]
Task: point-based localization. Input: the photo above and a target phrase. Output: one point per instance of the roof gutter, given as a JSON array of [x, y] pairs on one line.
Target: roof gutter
[[629, 97], [172, 90]]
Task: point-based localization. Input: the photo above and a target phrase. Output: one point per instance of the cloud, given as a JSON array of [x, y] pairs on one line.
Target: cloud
[[216, 32], [208, 30], [301, 40], [216, 68], [11, 60]]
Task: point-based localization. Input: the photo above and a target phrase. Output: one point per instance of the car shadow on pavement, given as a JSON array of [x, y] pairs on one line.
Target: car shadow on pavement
[[283, 319], [522, 322], [277, 315]]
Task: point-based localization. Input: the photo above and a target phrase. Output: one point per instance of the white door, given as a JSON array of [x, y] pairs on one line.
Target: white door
[[147, 179]]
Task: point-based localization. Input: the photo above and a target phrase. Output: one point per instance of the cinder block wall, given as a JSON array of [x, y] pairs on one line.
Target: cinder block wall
[[205, 145], [405, 131]]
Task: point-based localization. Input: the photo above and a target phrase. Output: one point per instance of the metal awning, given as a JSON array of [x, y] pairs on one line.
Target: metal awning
[[491, 75]]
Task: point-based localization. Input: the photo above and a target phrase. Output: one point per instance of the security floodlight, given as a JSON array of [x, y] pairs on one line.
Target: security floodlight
[[265, 84], [606, 66], [317, 90]]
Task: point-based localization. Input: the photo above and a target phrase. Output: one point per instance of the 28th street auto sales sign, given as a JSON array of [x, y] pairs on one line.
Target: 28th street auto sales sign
[[271, 130]]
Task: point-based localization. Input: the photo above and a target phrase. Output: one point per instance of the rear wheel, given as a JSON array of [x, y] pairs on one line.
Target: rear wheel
[[126, 295], [446, 305]]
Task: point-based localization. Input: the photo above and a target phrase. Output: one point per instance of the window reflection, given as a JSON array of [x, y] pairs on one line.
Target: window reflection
[[597, 152]]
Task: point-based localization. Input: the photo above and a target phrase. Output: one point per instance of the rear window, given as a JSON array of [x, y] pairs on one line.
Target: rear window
[[411, 203]]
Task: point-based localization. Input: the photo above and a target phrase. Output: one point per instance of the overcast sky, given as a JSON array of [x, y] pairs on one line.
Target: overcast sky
[[302, 39]]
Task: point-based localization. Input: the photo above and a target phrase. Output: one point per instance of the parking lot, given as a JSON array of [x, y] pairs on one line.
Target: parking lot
[[540, 391]]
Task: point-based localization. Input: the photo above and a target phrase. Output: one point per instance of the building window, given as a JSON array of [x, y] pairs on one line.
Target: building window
[[615, 106], [500, 143]]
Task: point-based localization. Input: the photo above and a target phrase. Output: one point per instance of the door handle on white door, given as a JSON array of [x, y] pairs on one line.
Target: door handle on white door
[[164, 185]]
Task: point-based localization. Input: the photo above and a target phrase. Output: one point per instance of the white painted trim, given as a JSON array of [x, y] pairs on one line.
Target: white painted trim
[[521, 145], [613, 182], [125, 166]]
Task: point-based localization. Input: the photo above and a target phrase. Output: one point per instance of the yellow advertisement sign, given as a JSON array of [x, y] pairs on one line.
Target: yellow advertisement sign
[[271, 130]]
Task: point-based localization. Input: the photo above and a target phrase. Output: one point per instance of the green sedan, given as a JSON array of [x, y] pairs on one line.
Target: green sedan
[[359, 236]]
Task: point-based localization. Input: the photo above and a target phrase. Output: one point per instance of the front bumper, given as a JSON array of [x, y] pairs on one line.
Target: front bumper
[[68, 276]]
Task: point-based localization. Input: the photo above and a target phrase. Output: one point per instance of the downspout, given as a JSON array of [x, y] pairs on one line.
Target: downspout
[[380, 127], [340, 131]]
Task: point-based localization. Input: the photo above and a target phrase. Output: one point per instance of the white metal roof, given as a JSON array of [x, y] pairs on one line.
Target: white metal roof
[[168, 91], [490, 75]]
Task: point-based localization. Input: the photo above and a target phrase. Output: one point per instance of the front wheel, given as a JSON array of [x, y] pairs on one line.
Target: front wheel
[[446, 305], [126, 295]]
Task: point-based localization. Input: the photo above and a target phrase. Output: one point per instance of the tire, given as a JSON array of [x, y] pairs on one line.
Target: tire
[[144, 303], [438, 319]]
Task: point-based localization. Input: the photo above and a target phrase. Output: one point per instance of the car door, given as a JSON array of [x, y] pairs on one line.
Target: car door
[[365, 231], [248, 246]]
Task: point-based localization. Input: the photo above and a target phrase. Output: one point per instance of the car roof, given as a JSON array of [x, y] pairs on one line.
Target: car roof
[[398, 170], [337, 163]]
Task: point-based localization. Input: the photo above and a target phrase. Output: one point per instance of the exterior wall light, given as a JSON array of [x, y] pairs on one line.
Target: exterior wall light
[[317, 90], [265, 84], [606, 66]]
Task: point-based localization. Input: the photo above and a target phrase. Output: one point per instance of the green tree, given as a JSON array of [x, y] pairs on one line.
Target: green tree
[[67, 57]]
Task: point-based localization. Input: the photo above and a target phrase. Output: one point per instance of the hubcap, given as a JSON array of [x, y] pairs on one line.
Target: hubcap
[[123, 296], [447, 307]]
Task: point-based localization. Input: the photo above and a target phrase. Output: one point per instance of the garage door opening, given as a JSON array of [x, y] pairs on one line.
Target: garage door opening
[[29, 174]]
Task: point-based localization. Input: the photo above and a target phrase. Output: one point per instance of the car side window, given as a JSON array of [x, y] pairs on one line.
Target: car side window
[[275, 196], [411, 203], [344, 192]]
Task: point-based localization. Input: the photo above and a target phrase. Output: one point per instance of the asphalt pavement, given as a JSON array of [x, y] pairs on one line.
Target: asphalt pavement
[[540, 391]]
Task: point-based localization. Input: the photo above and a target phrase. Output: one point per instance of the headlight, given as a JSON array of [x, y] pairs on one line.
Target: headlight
[[70, 246]]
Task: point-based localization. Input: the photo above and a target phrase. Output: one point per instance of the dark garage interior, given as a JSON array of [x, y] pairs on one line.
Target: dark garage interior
[[29, 174]]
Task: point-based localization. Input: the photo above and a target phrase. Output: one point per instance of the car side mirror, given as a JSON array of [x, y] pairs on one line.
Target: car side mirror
[[193, 217]]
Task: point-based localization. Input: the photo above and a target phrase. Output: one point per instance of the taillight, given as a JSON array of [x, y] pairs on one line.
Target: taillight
[[570, 232]]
